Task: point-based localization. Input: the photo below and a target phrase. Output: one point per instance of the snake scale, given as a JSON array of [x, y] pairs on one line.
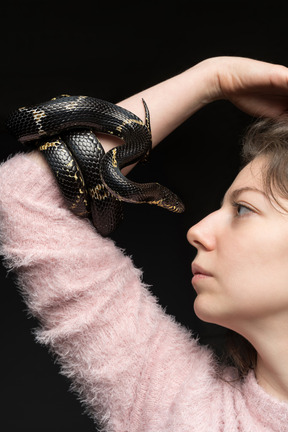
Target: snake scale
[[63, 129]]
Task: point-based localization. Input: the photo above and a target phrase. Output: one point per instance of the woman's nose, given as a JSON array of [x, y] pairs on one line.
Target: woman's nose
[[203, 234]]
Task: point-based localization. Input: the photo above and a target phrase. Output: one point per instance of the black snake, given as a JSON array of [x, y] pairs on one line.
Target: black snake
[[91, 181]]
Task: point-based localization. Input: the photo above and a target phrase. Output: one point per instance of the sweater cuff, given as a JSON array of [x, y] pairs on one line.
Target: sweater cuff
[[22, 179]]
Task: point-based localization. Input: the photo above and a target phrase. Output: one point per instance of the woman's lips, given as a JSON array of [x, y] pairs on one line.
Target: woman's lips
[[199, 273]]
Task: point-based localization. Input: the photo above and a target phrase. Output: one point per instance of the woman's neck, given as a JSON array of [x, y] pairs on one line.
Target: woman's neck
[[272, 380], [271, 344]]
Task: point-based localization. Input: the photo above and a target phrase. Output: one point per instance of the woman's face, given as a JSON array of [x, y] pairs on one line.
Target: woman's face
[[241, 267]]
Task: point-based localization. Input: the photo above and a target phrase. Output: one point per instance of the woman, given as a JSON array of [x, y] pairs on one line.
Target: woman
[[133, 366]]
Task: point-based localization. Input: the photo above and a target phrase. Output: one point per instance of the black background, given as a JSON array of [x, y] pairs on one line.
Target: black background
[[110, 51]]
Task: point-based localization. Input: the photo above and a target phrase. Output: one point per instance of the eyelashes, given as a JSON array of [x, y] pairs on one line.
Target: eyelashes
[[241, 209]]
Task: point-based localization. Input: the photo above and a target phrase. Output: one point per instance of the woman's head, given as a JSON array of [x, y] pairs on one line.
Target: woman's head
[[241, 271]]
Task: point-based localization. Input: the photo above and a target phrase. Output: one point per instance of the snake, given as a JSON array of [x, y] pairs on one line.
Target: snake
[[64, 129]]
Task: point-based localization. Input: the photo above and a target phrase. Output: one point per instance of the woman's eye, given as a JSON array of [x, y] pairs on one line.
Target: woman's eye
[[241, 209]]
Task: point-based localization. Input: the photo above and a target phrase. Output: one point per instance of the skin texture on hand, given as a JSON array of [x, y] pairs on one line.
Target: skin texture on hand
[[257, 88]]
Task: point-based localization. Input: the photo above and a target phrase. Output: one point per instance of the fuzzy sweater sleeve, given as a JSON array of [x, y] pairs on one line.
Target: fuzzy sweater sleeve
[[126, 358]]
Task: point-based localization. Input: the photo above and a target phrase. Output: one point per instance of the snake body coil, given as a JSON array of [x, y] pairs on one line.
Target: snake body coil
[[91, 181]]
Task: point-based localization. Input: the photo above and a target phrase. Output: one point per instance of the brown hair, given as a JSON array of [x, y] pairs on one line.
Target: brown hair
[[269, 138]]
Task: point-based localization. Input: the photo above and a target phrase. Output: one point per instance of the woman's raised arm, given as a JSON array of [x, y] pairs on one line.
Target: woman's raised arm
[[256, 87]]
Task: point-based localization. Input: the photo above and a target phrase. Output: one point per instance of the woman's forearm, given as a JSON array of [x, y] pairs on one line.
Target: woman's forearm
[[256, 87], [171, 102]]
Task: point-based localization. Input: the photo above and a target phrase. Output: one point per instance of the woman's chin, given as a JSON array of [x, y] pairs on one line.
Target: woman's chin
[[207, 311]]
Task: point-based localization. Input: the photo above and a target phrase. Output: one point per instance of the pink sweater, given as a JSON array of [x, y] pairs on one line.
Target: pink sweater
[[134, 367]]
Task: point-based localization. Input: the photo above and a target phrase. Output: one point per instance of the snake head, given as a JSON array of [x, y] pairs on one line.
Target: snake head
[[169, 200]]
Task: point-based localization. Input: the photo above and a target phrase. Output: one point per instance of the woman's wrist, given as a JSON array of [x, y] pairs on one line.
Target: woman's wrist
[[38, 157], [214, 72]]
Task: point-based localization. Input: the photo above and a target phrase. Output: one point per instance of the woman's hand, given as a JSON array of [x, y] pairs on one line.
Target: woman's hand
[[256, 87]]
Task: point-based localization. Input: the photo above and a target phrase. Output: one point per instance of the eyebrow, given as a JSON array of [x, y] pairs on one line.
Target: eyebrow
[[236, 192]]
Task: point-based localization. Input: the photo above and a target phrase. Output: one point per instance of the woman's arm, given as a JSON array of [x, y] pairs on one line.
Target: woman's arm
[[258, 88], [126, 357]]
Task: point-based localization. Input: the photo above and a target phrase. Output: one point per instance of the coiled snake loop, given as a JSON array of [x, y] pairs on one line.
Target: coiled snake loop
[[90, 180]]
